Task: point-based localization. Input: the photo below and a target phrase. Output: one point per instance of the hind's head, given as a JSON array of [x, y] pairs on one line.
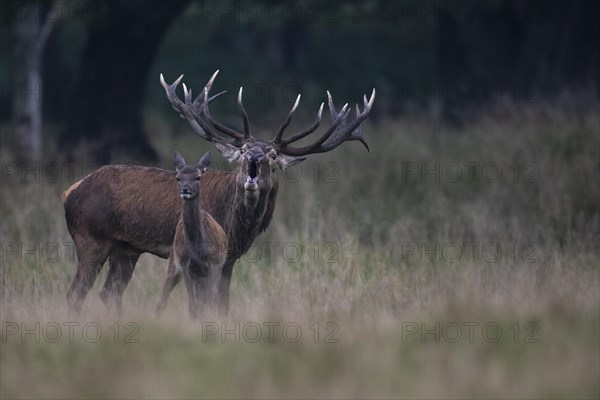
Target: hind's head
[[189, 176]]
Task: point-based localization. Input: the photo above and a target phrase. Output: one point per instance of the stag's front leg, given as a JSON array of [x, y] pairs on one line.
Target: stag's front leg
[[173, 278]]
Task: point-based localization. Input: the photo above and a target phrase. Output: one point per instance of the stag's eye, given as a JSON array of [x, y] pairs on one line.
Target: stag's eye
[[178, 179], [197, 178], [273, 156], [242, 151]]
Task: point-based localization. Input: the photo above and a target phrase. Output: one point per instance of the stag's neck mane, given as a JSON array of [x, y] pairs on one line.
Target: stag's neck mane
[[242, 221], [225, 202], [249, 212]]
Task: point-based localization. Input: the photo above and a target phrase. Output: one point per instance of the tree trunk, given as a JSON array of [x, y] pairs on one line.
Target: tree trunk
[[32, 25], [105, 112]]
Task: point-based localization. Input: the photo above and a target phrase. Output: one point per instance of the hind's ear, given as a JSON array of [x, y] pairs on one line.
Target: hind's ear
[[178, 161], [204, 162]]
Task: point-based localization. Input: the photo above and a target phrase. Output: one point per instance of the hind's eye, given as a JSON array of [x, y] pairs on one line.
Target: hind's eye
[[273, 156], [178, 180], [197, 178]]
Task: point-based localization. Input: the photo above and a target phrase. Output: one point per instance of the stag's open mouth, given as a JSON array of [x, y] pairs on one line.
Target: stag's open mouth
[[251, 184], [252, 170]]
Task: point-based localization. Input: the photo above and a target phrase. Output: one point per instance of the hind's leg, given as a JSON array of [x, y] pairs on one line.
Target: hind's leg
[[91, 256], [173, 278], [224, 283], [122, 265]]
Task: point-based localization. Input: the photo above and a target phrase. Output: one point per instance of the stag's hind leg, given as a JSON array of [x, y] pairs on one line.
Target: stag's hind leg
[[173, 278], [91, 256], [122, 265]]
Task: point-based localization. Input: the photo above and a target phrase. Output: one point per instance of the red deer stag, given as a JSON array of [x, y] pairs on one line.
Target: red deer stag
[[112, 213], [200, 245]]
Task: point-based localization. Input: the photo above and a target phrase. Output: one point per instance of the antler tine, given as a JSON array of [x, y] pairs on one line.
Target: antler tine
[[210, 82], [217, 125], [192, 111], [332, 110], [372, 99], [197, 103], [172, 95], [200, 99], [307, 131], [340, 118], [354, 130], [187, 95], [199, 122], [220, 127], [358, 131], [287, 121], [343, 131], [240, 106], [180, 106], [308, 149]]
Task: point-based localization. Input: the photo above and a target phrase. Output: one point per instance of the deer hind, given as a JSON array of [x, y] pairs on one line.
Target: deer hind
[[112, 213], [200, 244]]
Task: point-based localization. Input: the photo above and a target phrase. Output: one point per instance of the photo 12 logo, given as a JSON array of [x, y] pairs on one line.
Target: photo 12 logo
[[469, 172], [269, 331], [454, 252], [70, 332], [59, 252], [472, 331], [49, 172]]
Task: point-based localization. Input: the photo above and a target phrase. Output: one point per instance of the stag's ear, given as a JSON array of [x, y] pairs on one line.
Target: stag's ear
[[178, 161], [286, 161], [230, 152], [204, 162]]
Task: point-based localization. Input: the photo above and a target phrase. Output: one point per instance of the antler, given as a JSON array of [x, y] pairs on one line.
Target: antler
[[198, 116], [339, 132]]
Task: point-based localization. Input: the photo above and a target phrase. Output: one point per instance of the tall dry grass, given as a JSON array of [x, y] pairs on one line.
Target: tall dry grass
[[367, 243]]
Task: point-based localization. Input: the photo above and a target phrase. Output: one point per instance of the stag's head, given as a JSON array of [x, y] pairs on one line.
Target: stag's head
[[257, 163], [188, 176], [258, 160]]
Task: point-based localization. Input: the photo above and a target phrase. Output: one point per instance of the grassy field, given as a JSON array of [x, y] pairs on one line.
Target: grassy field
[[448, 263]]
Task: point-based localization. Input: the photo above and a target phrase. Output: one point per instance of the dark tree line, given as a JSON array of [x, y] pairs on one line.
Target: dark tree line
[[543, 47], [549, 46]]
